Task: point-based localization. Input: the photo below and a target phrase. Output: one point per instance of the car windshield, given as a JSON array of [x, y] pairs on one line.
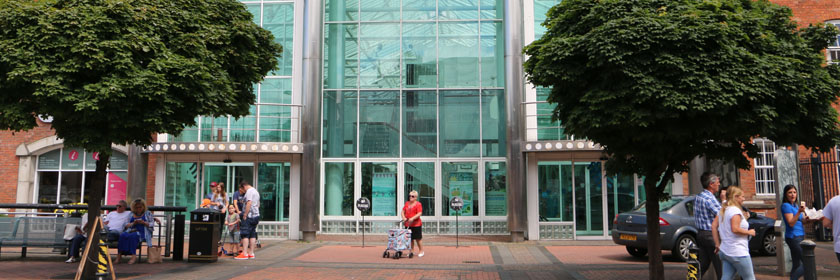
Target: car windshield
[[663, 205]]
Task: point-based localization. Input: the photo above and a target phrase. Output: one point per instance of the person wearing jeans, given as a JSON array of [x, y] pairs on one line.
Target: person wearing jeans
[[731, 234], [794, 231]]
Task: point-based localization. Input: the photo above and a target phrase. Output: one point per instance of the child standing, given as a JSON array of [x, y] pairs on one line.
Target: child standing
[[232, 221]]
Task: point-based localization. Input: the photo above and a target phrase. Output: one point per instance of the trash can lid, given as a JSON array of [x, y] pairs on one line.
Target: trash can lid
[[205, 210]]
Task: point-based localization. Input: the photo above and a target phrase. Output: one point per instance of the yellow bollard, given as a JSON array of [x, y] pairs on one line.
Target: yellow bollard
[[693, 263]]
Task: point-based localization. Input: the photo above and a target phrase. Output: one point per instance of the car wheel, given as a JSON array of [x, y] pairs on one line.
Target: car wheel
[[768, 243], [637, 252], [681, 247]]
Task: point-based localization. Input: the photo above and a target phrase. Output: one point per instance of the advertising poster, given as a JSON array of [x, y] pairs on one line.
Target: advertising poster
[[116, 188], [461, 184], [384, 194], [495, 195]]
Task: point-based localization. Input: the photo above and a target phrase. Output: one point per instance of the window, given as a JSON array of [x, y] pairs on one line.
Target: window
[[833, 51], [65, 176], [765, 176]]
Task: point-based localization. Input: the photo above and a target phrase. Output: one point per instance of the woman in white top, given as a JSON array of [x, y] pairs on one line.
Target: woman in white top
[[731, 233]]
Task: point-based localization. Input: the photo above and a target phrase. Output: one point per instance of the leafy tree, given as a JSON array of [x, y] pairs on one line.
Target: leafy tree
[[113, 71], [659, 82]]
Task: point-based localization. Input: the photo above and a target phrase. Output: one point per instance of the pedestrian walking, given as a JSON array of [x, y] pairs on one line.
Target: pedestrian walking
[[831, 219], [706, 208], [731, 234]]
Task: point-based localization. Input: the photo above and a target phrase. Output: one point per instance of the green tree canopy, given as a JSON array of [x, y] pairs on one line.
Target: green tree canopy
[[658, 83], [112, 71]]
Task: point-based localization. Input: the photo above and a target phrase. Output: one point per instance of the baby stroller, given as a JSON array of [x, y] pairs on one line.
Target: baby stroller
[[399, 240]]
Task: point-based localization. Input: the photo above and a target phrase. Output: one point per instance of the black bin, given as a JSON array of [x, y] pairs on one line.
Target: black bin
[[204, 235]]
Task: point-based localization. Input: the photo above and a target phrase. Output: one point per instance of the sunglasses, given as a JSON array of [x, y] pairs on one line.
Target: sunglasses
[[412, 196]]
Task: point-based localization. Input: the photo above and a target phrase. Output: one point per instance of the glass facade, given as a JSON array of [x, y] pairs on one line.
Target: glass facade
[[65, 176], [273, 118], [546, 129], [414, 99]]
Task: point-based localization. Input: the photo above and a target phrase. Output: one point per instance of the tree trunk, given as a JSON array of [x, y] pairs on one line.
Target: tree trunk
[[97, 188], [657, 269]]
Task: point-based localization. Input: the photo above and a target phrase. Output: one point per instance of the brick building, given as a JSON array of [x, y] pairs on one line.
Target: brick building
[[418, 96]]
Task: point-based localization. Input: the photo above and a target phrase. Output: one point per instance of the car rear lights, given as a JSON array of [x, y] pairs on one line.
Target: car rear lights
[[663, 222]]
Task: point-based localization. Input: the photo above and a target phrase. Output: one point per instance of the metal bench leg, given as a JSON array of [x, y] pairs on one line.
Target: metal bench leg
[[23, 252]]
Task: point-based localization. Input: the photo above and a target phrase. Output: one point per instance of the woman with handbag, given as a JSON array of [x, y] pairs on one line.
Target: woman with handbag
[[139, 228]]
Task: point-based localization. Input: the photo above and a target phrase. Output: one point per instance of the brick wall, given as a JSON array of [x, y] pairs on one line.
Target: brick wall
[[812, 11], [9, 162]]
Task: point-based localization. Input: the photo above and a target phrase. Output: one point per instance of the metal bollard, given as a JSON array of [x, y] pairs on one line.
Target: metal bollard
[[693, 262], [808, 259]]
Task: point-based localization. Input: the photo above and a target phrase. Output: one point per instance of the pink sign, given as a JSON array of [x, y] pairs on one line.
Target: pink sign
[[116, 189], [96, 155], [74, 155]]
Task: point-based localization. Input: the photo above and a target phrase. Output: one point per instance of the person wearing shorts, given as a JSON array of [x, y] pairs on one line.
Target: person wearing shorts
[[411, 217], [248, 228]]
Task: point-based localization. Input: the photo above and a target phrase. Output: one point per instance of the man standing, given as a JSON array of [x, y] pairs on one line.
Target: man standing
[[706, 208], [248, 228], [116, 220], [832, 221]]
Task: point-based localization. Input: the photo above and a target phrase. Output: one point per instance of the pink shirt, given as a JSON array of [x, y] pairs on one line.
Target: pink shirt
[[410, 211]]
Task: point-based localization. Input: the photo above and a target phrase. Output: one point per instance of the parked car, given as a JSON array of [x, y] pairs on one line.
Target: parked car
[[677, 231]]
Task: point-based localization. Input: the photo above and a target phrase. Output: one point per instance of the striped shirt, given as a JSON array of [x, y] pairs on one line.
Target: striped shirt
[[706, 208]]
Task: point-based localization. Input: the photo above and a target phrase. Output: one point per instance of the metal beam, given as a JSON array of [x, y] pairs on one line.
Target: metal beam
[[514, 83], [311, 121]]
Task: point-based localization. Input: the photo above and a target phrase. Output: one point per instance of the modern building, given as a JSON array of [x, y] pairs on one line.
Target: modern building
[[375, 98]]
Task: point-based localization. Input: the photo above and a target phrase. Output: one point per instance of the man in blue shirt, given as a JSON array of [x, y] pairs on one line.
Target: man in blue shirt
[[706, 208]]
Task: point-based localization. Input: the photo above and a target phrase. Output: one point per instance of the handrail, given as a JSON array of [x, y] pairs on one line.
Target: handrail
[[84, 207]]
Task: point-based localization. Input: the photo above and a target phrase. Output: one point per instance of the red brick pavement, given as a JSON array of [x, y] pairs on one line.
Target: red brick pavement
[[373, 255], [309, 273]]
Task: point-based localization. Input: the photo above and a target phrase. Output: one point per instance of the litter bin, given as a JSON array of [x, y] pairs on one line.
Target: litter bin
[[204, 235]]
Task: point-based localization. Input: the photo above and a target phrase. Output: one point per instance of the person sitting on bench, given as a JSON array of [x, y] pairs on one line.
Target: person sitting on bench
[[78, 240], [115, 221]]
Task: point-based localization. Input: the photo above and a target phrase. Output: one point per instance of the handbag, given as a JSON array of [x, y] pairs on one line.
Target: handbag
[[154, 254]]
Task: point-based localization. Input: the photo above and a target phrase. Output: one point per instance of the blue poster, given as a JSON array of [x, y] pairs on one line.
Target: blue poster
[[384, 194], [461, 184]]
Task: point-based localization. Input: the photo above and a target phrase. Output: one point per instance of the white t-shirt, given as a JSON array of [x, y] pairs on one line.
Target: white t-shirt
[[732, 244], [116, 221], [253, 196], [832, 212]]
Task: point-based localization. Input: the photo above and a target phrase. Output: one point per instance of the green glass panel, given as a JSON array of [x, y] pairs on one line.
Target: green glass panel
[[379, 49], [493, 123], [458, 54], [339, 130], [71, 188], [338, 188], [275, 123], [341, 10], [277, 91], [379, 184], [214, 129], [72, 158], [547, 129], [189, 134], [275, 136], [279, 19], [589, 215], [49, 160], [273, 184], [495, 189], [460, 179], [341, 56], [419, 124], [380, 10], [458, 9], [540, 9], [555, 188], [275, 111], [243, 135], [118, 161], [379, 124], [420, 177], [180, 187], [492, 54], [247, 122], [254, 9], [492, 9], [620, 195], [459, 123], [419, 9], [420, 55], [47, 187]]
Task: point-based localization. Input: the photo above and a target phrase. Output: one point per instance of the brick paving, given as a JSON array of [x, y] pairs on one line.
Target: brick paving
[[340, 257]]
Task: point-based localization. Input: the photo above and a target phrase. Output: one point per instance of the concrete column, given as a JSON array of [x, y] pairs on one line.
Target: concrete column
[[137, 168], [514, 84], [311, 119], [26, 180], [696, 168]]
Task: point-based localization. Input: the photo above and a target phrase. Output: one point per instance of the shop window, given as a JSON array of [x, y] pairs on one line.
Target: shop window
[[379, 183], [273, 185], [339, 183], [555, 187], [420, 177], [460, 179], [495, 189], [65, 176]]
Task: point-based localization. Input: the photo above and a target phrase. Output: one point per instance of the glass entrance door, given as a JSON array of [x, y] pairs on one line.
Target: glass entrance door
[[228, 173], [589, 212]]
